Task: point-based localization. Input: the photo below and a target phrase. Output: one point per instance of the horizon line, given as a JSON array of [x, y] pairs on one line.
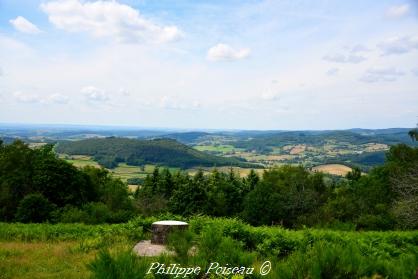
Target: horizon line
[[157, 128]]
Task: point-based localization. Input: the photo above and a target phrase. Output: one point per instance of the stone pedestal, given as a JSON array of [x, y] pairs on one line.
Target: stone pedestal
[[161, 230]]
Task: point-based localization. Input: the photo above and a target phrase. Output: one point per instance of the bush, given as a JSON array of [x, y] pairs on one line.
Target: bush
[[97, 212], [135, 181], [93, 213], [124, 265], [70, 214], [34, 208], [181, 242], [327, 260]]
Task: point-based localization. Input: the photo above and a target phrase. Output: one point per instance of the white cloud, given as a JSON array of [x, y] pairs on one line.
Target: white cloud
[[196, 104], [167, 102], [343, 58], [397, 11], [107, 19], [93, 94], [225, 52], [398, 45], [23, 25], [381, 74], [26, 98], [1, 71], [124, 92], [269, 96], [333, 71], [354, 54], [415, 71], [57, 99], [176, 103], [33, 98]]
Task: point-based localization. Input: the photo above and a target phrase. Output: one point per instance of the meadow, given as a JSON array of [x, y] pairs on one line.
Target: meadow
[[104, 251], [334, 169], [125, 172]]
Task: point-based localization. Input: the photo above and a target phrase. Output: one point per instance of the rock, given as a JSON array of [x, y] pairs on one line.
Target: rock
[[146, 249], [161, 229]]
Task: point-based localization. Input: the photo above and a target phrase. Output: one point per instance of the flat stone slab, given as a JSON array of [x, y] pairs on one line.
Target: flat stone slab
[[170, 223], [147, 249]]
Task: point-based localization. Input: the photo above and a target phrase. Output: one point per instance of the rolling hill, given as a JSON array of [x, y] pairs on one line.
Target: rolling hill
[[108, 152]]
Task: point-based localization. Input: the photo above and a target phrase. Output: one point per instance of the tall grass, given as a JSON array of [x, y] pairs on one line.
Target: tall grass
[[307, 253], [301, 254]]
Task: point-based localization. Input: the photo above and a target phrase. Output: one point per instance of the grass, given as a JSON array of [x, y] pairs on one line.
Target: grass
[[43, 260], [80, 161], [61, 250], [335, 169], [216, 148], [124, 172], [65, 250]]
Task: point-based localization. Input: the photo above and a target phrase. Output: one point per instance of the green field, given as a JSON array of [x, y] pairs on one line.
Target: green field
[[67, 250], [80, 160], [217, 148], [122, 171], [125, 172]]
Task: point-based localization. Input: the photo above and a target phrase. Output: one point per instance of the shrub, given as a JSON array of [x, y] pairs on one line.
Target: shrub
[[181, 242], [123, 265], [327, 260], [70, 214], [34, 208], [97, 212]]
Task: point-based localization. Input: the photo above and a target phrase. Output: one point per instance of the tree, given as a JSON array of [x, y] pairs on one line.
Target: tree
[[216, 205], [190, 197], [405, 207], [34, 208], [59, 181], [285, 195], [354, 174], [165, 184], [111, 191], [25, 171], [251, 180], [402, 173], [16, 172], [413, 134]]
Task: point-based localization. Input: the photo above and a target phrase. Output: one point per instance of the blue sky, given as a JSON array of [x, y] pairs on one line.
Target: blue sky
[[210, 64]]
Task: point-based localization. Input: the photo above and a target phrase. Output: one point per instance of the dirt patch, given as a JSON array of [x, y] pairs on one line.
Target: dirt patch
[[297, 149]]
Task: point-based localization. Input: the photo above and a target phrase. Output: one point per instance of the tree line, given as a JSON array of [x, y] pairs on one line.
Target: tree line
[[37, 186], [293, 197]]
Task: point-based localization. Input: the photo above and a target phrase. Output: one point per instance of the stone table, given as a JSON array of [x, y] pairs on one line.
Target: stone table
[[161, 229]]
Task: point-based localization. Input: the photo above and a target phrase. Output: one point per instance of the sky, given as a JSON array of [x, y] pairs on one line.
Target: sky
[[282, 64]]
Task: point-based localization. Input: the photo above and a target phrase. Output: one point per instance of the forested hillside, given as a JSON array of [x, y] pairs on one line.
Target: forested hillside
[[110, 151], [268, 140]]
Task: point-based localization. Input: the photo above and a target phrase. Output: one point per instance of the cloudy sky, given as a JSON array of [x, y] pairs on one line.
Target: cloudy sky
[[282, 64]]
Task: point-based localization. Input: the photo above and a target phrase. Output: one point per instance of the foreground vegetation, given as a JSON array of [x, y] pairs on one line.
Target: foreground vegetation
[[83, 222], [104, 251], [38, 186]]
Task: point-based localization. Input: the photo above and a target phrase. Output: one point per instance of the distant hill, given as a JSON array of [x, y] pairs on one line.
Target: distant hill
[[354, 136], [187, 137], [168, 152]]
